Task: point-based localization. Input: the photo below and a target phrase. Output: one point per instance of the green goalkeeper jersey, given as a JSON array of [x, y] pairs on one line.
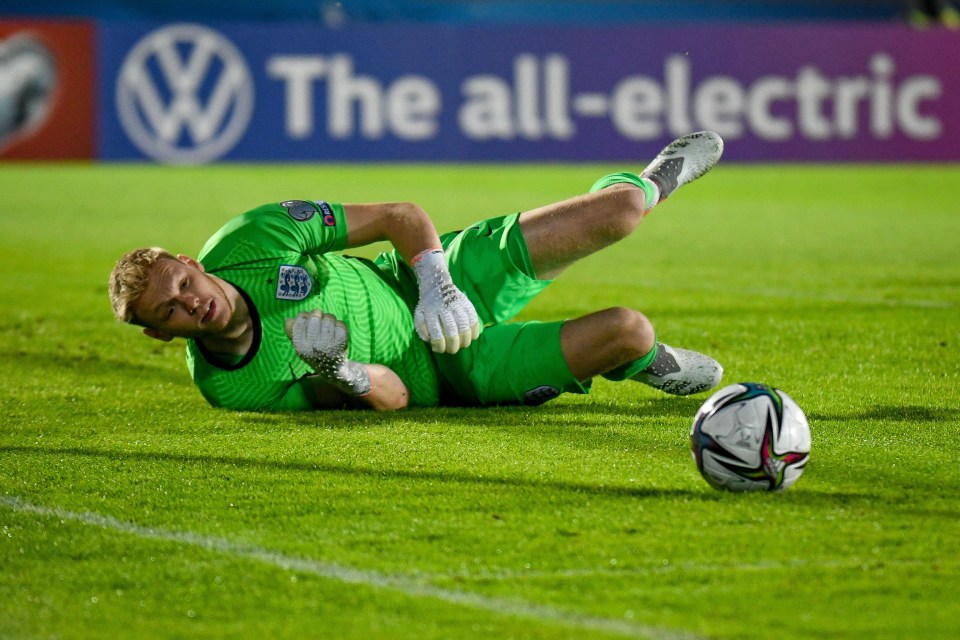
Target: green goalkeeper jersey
[[279, 258]]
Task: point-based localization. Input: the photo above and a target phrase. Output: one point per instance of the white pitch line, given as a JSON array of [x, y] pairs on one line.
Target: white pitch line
[[402, 584]]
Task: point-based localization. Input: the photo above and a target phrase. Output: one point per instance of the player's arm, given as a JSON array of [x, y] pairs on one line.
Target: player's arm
[[387, 392], [405, 225], [444, 315], [321, 341]]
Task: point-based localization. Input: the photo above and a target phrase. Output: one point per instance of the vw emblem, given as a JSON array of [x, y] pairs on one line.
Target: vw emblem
[[184, 94]]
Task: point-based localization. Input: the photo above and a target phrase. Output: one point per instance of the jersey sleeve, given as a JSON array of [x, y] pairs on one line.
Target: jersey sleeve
[[309, 227]]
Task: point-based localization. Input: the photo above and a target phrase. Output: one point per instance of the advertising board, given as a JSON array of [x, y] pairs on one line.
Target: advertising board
[[192, 93], [47, 90]]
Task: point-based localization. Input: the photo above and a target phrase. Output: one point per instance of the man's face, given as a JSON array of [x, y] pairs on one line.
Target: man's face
[[182, 301]]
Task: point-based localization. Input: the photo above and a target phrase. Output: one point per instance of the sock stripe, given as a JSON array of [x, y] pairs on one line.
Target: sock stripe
[[630, 369], [650, 188]]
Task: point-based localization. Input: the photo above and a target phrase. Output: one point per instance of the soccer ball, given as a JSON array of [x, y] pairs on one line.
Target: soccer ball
[[750, 437]]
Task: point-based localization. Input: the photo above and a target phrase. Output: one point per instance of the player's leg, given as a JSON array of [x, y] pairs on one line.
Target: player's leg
[[533, 362], [600, 342], [620, 344], [559, 234], [502, 263]]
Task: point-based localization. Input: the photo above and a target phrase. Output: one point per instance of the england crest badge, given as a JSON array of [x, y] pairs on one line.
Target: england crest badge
[[293, 283]]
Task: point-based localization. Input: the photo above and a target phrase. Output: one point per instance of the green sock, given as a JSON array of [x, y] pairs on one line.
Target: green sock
[[631, 369], [650, 189]]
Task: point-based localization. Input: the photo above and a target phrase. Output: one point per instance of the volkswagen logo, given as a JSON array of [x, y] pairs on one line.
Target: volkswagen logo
[[184, 94]]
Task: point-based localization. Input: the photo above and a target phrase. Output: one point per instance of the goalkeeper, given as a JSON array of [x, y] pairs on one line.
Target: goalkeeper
[[275, 319]]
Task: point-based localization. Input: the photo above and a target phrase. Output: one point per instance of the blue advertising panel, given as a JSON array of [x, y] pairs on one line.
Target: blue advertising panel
[[195, 93]]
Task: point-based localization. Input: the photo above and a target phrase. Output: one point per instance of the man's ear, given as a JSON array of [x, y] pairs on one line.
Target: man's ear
[[157, 335], [189, 261]]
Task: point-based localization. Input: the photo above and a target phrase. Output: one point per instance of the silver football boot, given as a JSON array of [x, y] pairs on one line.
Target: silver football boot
[[681, 372], [684, 160]]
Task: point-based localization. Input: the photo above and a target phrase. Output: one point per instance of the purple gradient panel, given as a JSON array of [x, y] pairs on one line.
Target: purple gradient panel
[[776, 93], [875, 68]]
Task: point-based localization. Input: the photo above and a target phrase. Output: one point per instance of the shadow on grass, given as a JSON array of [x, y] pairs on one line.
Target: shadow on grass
[[582, 425], [895, 413], [568, 414], [817, 498], [326, 467]]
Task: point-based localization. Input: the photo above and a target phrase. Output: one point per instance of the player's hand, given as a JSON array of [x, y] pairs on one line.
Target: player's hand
[[444, 316], [321, 340]]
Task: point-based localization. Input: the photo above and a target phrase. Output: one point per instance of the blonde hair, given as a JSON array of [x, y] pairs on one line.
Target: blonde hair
[[129, 279]]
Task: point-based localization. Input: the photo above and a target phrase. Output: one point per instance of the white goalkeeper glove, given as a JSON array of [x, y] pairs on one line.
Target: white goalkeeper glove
[[444, 317], [321, 341]]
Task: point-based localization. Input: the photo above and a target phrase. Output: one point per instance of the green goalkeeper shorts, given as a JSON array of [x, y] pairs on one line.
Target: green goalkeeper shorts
[[511, 362]]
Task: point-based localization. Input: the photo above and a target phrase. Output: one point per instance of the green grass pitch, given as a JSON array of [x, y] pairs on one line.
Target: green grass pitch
[[129, 508]]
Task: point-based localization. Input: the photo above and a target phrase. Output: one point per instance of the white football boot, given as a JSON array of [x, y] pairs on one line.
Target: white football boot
[[681, 372], [684, 160]]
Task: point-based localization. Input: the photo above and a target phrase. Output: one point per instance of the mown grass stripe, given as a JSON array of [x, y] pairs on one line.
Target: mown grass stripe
[[350, 575]]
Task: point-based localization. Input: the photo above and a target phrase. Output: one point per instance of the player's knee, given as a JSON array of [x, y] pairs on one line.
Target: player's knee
[[633, 336]]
